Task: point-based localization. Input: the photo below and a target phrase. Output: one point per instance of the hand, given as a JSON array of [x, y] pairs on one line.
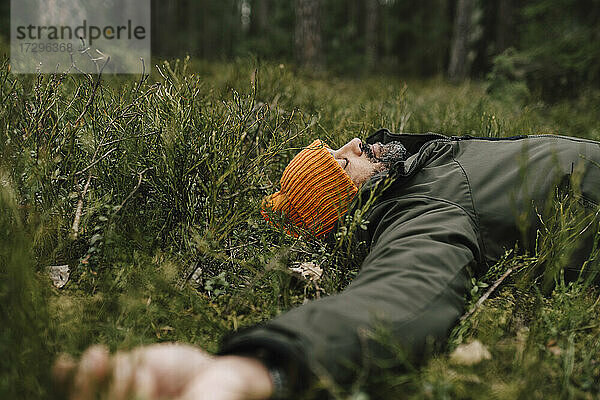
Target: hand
[[163, 371]]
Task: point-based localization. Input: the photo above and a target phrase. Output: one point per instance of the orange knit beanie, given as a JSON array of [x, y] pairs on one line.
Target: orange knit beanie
[[315, 191]]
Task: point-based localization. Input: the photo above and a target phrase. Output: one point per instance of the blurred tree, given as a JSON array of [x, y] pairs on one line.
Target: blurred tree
[[260, 33], [342, 31], [208, 29], [458, 68], [416, 37], [561, 40], [371, 23], [270, 34], [162, 21], [5, 18], [553, 45], [505, 24], [260, 16], [486, 47], [308, 33]]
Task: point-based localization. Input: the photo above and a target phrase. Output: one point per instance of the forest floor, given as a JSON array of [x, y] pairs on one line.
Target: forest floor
[[149, 190]]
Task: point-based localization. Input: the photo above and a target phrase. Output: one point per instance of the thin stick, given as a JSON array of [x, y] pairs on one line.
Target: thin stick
[[241, 245], [486, 295], [129, 137], [75, 227], [143, 77], [93, 95], [140, 175], [96, 162]]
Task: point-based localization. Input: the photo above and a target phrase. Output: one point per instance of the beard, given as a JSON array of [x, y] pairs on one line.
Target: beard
[[391, 153]]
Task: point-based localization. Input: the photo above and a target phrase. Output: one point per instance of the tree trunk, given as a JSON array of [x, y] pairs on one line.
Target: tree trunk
[[459, 63], [504, 25], [261, 16], [167, 20], [371, 20], [308, 33]]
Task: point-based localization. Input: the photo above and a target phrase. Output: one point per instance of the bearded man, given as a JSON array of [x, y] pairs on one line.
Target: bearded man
[[451, 208]]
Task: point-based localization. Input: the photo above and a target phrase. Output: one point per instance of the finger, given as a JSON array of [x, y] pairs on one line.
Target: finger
[[63, 371], [211, 386], [231, 378], [172, 366], [91, 373], [123, 376], [144, 385]]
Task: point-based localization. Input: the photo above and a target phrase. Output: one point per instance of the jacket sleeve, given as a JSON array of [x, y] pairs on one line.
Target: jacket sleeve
[[412, 282]]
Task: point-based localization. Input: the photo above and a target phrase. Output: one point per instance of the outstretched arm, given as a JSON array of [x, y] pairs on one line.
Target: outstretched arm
[[413, 282]]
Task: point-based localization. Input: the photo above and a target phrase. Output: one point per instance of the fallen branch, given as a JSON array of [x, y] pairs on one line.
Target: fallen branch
[[486, 295]]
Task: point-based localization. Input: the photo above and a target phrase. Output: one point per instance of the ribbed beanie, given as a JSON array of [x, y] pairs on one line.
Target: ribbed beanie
[[315, 191]]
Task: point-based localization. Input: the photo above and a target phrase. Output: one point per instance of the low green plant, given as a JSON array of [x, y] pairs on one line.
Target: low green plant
[[142, 183]]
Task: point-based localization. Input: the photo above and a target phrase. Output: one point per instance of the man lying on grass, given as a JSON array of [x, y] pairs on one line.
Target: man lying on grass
[[452, 209]]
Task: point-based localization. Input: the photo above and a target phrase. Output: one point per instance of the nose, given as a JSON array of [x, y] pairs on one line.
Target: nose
[[349, 149]]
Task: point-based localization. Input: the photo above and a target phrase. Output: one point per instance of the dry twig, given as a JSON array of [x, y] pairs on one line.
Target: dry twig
[[487, 294], [140, 175], [75, 227]]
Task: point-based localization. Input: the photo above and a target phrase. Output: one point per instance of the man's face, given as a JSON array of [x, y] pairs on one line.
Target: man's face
[[361, 160]]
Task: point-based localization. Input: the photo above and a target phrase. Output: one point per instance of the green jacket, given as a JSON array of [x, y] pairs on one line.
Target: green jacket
[[455, 205]]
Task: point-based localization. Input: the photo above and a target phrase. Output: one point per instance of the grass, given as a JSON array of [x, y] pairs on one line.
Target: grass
[[175, 166]]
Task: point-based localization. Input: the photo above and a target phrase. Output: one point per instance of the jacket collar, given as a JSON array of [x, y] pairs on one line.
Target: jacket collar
[[412, 141]]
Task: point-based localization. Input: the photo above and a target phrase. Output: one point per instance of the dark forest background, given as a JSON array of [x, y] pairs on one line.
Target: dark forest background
[[550, 46]]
